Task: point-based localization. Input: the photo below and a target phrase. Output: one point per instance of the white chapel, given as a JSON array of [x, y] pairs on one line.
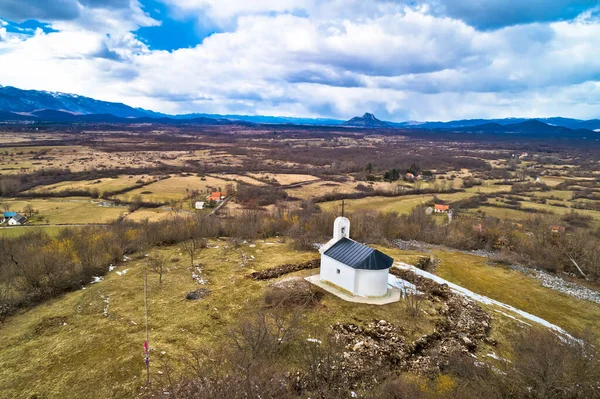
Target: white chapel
[[352, 266]]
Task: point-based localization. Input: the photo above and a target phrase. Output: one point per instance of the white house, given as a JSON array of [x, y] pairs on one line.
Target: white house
[[199, 204], [352, 266], [16, 220]]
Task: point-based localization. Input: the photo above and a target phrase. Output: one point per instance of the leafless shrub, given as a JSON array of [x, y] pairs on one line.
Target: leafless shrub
[[543, 366], [193, 247], [413, 302], [157, 264]]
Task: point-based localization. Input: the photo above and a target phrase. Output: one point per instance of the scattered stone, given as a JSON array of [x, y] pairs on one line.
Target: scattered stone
[[462, 327], [197, 294], [559, 284]]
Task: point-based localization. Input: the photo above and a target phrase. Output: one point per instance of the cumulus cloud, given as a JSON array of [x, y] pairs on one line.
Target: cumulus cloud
[[402, 60]]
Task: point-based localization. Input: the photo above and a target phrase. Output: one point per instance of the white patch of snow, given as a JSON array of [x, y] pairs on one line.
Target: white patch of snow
[[353, 394], [123, 272], [512, 317], [317, 341], [107, 302], [111, 267], [404, 286], [96, 279], [126, 258], [485, 300]]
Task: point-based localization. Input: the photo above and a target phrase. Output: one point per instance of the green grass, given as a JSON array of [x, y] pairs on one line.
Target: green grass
[[517, 289], [401, 205], [71, 210], [174, 188]]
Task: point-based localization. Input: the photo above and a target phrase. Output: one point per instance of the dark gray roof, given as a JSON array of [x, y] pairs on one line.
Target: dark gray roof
[[359, 256], [19, 218]]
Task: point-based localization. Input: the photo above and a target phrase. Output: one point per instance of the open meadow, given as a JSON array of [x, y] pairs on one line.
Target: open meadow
[[105, 207]]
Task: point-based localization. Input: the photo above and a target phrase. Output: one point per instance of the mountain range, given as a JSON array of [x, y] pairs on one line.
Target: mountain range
[[18, 105]]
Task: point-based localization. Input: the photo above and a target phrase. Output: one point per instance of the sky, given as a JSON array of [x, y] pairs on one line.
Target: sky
[[399, 59]]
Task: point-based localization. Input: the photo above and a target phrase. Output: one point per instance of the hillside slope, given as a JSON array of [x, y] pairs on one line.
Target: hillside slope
[[17, 100]]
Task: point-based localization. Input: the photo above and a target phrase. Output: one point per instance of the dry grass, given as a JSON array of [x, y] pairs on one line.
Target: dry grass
[[510, 287], [175, 188], [94, 355], [70, 210], [284, 178], [401, 205], [240, 178], [101, 185]]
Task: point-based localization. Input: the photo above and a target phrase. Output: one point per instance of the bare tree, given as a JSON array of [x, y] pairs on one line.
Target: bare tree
[[158, 265], [28, 209], [5, 206], [193, 247]]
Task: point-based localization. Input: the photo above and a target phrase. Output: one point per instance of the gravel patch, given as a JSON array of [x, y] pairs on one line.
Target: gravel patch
[[559, 284], [548, 280]]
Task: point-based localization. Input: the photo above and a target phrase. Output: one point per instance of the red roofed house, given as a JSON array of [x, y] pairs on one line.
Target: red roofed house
[[215, 196], [558, 229], [441, 208]]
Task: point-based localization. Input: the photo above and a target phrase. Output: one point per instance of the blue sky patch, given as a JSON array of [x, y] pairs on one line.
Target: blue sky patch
[[174, 32]]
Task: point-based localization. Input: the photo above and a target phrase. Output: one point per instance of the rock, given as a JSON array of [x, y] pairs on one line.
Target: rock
[[358, 346], [197, 294]]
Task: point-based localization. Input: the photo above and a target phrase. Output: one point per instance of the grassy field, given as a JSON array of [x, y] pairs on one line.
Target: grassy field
[[284, 178], [70, 210], [239, 178], [19, 230], [488, 188], [511, 287], [564, 195], [175, 188], [152, 214], [515, 214], [319, 188], [101, 185], [89, 343], [518, 290], [401, 205]]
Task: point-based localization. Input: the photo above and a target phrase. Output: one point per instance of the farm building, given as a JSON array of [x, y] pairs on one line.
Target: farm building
[[215, 196], [439, 208], [17, 220], [558, 229], [352, 266], [199, 205], [8, 215]]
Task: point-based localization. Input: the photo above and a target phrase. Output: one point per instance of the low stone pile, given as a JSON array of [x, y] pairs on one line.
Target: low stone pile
[[462, 327], [197, 294], [281, 270]]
